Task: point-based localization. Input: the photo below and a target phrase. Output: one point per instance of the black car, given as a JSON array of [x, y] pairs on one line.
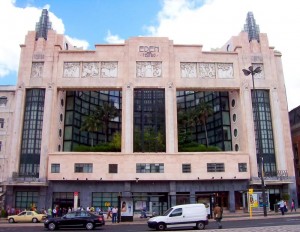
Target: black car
[[77, 219]]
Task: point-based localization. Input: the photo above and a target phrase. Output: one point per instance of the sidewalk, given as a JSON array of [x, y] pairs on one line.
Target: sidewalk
[[239, 215], [227, 216]]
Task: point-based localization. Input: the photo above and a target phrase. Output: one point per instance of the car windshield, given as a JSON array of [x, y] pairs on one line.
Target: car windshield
[[167, 212]]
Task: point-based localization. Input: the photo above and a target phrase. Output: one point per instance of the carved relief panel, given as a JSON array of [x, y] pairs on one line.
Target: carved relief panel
[[206, 70], [37, 70], [224, 70], [188, 70], [71, 69], [109, 69], [148, 69], [90, 69]]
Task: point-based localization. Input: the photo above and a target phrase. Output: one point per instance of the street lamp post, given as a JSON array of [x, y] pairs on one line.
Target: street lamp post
[[258, 128]]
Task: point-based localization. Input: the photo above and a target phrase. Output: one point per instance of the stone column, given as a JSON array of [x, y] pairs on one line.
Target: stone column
[[171, 129], [231, 199], [279, 140], [192, 197], [127, 119], [16, 133], [47, 120]]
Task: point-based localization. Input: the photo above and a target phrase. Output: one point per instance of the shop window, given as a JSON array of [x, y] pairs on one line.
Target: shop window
[[27, 200]]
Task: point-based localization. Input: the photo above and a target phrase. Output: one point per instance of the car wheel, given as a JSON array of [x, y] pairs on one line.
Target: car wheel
[[89, 226], [51, 226], [200, 226], [34, 220], [11, 220], [161, 226]]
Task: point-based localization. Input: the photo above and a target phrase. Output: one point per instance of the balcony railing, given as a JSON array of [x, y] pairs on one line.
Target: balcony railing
[[26, 177], [276, 175]]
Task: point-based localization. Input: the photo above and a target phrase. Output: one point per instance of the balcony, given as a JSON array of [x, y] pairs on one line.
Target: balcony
[[26, 178], [277, 177]]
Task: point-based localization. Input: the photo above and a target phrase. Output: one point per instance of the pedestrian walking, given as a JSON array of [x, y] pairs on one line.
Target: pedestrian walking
[[293, 207], [218, 214], [282, 207], [109, 212], [114, 214]]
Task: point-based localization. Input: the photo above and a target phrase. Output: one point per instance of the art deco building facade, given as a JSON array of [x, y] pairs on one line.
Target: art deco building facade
[[152, 85]]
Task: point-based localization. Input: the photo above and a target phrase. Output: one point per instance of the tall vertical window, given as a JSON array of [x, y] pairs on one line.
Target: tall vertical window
[[1, 123], [32, 132], [0, 146], [264, 126], [149, 120]]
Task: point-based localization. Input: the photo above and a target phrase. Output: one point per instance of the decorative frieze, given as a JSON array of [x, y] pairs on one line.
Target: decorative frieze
[[224, 71], [72, 69], [91, 69], [148, 69], [206, 70], [188, 70], [109, 69], [37, 70]]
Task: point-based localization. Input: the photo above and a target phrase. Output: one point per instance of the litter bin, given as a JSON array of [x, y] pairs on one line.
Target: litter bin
[[276, 208]]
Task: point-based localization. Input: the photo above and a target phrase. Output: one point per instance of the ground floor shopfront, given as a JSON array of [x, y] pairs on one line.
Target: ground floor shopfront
[[133, 197]]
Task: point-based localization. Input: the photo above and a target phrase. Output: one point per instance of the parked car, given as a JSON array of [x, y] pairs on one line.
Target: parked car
[[27, 216], [77, 219], [189, 215]]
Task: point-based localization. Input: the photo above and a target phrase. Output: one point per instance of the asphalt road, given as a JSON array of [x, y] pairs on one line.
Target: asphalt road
[[262, 224]]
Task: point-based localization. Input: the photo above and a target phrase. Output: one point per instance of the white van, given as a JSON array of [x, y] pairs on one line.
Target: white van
[[189, 215]]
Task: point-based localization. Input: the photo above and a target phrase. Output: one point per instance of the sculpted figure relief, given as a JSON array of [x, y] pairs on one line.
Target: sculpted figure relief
[[109, 69], [188, 70], [71, 69], [207, 70], [148, 69], [90, 69], [225, 70], [37, 69]]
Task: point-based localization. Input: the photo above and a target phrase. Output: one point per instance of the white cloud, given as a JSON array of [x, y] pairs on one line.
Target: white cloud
[[187, 22], [113, 39], [78, 42], [15, 23]]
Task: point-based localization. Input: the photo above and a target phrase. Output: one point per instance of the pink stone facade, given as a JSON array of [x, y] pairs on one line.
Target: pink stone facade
[[156, 63]]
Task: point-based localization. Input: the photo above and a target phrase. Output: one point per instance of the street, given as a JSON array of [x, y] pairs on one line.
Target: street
[[274, 224]]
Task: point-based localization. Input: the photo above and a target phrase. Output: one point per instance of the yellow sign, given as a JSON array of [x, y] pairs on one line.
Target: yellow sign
[[250, 191]]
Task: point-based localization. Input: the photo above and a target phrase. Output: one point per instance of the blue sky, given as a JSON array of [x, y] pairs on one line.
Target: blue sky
[[205, 22]]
